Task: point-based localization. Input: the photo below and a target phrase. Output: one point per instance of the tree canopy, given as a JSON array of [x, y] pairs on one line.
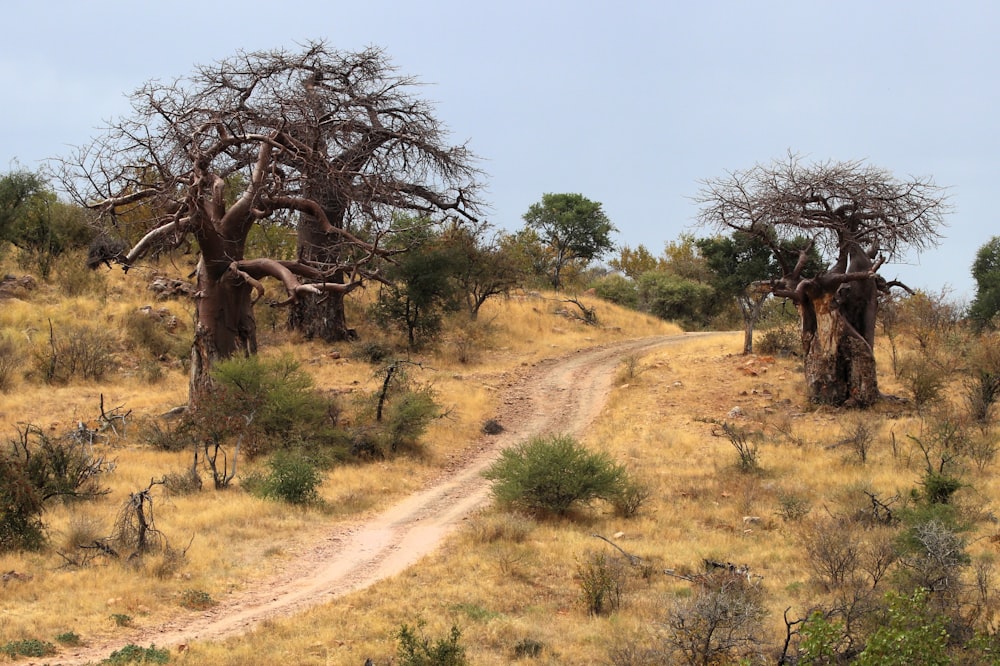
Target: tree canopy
[[574, 228], [333, 142], [986, 272]]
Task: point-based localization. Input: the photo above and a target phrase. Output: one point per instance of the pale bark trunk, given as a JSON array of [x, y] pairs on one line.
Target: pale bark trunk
[[839, 363]]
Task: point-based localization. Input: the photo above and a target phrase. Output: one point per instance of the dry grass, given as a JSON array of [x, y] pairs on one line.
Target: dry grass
[[504, 579]]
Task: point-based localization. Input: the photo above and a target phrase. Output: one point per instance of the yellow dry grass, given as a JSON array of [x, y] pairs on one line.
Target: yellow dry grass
[[504, 579]]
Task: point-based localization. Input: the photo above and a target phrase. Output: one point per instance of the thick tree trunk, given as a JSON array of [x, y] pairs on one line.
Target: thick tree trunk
[[839, 362], [322, 317], [224, 325]]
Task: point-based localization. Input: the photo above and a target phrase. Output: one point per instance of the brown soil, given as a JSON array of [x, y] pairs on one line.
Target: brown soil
[[561, 395]]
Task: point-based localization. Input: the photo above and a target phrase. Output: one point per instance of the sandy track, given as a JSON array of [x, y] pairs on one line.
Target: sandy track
[[561, 395]]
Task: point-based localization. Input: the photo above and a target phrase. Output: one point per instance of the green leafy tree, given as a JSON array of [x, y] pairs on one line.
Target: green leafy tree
[[574, 228], [986, 272], [34, 220], [744, 267], [418, 289], [481, 268]]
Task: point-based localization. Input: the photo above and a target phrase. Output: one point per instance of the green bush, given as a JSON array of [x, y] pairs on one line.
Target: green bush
[[30, 647], [821, 641], [408, 416], [551, 474], [133, 654], [910, 634], [619, 290], [417, 650], [292, 479]]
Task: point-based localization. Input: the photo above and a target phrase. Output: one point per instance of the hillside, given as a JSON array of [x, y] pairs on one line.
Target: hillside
[[512, 583]]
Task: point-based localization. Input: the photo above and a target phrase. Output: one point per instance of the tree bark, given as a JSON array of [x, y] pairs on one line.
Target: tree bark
[[320, 316], [224, 323], [839, 363]]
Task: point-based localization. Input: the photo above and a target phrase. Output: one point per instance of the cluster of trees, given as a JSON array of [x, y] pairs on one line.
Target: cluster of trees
[[339, 147], [37, 223]]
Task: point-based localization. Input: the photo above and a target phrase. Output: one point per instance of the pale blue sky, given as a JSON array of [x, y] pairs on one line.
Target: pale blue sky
[[628, 103]]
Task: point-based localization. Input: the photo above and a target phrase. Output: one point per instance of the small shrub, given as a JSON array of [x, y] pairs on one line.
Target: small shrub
[[793, 507], [292, 479], [373, 352], [782, 341], [29, 647], [833, 550], [133, 654], [630, 498], [76, 351], [10, 363], [923, 378], [551, 474], [197, 600], [417, 650], [20, 509], [745, 442], [720, 622], [602, 583], [121, 619], [528, 648], [859, 436], [408, 416], [69, 639], [183, 483]]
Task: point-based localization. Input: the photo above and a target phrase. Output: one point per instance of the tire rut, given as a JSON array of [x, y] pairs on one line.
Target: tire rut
[[555, 396]]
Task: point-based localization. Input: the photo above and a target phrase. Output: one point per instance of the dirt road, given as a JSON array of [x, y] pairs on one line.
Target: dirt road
[[560, 395]]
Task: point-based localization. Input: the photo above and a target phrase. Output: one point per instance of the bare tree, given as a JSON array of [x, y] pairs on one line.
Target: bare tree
[[858, 217], [331, 142]]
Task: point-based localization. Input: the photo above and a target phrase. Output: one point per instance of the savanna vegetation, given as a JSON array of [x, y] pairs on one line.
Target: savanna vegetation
[[760, 525], [785, 499]]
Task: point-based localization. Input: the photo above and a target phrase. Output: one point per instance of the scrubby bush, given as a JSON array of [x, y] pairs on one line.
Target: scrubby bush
[[552, 474], [292, 478], [602, 583], [10, 362], [29, 647], [910, 634], [719, 622], [20, 509], [75, 351], [414, 649], [133, 654], [781, 341]]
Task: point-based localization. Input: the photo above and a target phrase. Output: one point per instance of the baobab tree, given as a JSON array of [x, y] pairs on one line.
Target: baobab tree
[[333, 143], [858, 217]]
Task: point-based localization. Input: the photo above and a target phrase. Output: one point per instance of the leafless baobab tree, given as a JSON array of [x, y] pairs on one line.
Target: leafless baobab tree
[[858, 217], [334, 144]]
